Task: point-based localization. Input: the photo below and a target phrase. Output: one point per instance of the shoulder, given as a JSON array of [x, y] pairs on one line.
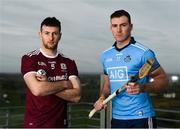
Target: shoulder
[[65, 57], [30, 57], [140, 46], [140, 49], [108, 51]]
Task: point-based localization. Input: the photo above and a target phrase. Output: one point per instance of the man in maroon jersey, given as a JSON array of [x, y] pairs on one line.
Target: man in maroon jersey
[[47, 95]]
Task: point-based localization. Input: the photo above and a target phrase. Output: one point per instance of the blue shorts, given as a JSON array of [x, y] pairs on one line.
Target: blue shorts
[[149, 123]]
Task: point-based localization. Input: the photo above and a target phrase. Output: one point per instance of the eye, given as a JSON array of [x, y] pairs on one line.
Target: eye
[[55, 33], [124, 24], [46, 33], [114, 25]]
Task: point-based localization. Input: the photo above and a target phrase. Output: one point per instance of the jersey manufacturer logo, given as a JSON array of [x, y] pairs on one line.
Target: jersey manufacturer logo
[[41, 63], [118, 56], [117, 73]]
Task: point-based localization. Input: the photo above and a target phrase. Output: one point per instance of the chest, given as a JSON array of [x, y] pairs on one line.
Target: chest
[[56, 69], [121, 66]]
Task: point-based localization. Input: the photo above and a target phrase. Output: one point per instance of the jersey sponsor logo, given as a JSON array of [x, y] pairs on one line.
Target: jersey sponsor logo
[[57, 78], [117, 73]]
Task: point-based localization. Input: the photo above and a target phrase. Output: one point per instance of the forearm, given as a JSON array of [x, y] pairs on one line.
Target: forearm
[[42, 88], [105, 91], [72, 94], [159, 84], [47, 88]]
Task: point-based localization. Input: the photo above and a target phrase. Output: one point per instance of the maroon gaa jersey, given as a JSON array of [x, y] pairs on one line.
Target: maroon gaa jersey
[[47, 111]]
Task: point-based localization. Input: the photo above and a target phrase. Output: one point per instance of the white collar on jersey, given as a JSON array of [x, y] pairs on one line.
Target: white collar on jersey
[[44, 54]]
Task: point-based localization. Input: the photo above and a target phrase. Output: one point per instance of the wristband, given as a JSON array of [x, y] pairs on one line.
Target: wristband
[[102, 98]]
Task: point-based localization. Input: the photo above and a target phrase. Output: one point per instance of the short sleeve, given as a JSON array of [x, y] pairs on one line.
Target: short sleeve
[[103, 66], [27, 65], [150, 54], [73, 69]]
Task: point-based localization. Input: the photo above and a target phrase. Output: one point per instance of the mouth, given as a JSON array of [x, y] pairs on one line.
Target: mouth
[[51, 42], [118, 35]]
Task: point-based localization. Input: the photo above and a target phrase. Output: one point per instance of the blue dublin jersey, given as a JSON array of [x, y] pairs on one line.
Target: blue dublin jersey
[[120, 65]]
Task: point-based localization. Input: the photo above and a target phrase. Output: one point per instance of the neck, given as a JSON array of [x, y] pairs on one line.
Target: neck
[[121, 44], [49, 52]]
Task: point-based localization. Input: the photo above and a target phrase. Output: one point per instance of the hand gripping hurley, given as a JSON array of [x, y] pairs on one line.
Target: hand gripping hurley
[[144, 71]]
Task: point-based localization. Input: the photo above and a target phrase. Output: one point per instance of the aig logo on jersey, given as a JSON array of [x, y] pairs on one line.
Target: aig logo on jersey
[[63, 66], [118, 73]]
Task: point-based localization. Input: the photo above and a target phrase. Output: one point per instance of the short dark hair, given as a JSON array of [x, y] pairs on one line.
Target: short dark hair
[[120, 13], [51, 21]]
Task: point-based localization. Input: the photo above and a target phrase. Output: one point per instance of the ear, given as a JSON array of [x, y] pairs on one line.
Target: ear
[[60, 35], [131, 26], [110, 28], [39, 34]]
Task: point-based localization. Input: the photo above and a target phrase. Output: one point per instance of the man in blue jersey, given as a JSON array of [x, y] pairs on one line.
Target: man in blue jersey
[[132, 108]]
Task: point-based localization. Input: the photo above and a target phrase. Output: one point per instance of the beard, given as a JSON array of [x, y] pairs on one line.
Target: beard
[[51, 47]]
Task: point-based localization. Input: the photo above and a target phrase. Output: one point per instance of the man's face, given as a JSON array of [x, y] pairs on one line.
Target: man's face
[[50, 37], [121, 28]]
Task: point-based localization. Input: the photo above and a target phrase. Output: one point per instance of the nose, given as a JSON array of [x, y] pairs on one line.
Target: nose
[[51, 37], [119, 28]]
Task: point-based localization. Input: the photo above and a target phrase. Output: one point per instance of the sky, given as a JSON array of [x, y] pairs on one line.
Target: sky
[[86, 30]]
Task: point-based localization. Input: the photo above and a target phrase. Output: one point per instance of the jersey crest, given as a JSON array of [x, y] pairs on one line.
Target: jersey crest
[[63, 66]]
